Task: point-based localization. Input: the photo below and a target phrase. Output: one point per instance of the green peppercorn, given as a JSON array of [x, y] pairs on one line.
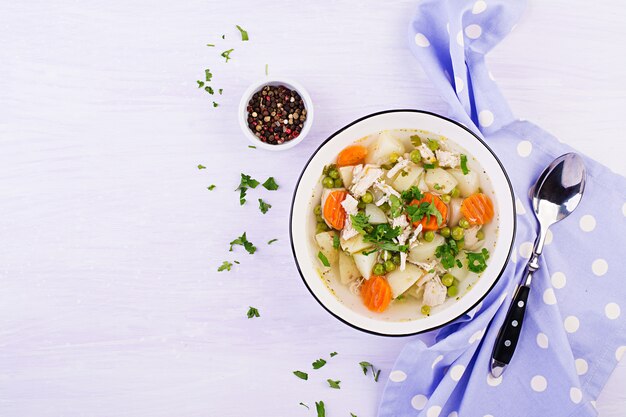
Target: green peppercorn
[[416, 156], [455, 192], [379, 269], [433, 145], [447, 279], [321, 227], [425, 310], [445, 231], [328, 182], [464, 223], [429, 236], [367, 197], [453, 291], [446, 198], [390, 266], [458, 233]]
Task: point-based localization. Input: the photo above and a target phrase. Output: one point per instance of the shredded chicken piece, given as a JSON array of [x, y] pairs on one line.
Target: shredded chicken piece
[[448, 159], [387, 191], [403, 223], [400, 165], [434, 292], [350, 205], [355, 286], [363, 178], [413, 239], [471, 241], [426, 153]]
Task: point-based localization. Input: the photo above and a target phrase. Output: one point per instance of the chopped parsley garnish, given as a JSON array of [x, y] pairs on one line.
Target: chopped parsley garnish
[[437, 187], [263, 206], [251, 146], [377, 375], [336, 242], [225, 266], [200, 84], [272, 241], [334, 384], [383, 232], [211, 187], [208, 75], [270, 184], [360, 221], [244, 34], [425, 209], [396, 206], [411, 194], [200, 166], [447, 252], [464, 164], [304, 405], [215, 104], [301, 375], [324, 259], [237, 262], [209, 89], [353, 415], [375, 372], [333, 354], [253, 312], [223, 36], [319, 363], [459, 263], [220, 91], [319, 406], [477, 262], [246, 182], [226, 54], [243, 241], [429, 166]]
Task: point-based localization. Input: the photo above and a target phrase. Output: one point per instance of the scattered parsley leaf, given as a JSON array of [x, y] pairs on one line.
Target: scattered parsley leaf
[[377, 375], [360, 221], [209, 89], [215, 104], [477, 262], [220, 91], [319, 363], [364, 366], [263, 206], [270, 184], [267, 69], [237, 262], [447, 253], [251, 146], [253, 312], [223, 36], [244, 34], [353, 415], [464, 164], [324, 259], [411, 194], [211, 187], [242, 196], [459, 263], [383, 233], [429, 166], [226, 54], [301, 375], [334, 384], [304, 405], [200, 166], [200, 84], [272, 241], [336, 241], [208, 75], [210, 44], [243, 241], [319, 406], [246, 182], [333, 354], [225, 266], [425, 209]]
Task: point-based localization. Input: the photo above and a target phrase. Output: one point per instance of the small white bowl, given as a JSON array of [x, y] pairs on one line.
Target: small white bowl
[[243, 113]]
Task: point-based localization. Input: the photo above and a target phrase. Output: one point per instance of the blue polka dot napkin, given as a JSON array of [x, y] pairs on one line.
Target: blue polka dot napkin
[[575, 330]]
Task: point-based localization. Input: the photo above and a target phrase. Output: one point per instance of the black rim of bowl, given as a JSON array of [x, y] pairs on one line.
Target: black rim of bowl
[[293, 249]]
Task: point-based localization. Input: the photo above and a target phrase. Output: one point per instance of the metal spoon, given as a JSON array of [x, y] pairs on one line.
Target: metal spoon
[[555, 195]]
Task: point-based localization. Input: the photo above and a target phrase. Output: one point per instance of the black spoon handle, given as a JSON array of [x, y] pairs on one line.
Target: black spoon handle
[[510, 331]]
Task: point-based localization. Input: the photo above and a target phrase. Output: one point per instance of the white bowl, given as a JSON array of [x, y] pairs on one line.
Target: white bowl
[[243, 113], [302, 224]]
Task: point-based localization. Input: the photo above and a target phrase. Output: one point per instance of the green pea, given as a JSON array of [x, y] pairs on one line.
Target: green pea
[[396, 259], [338, 183], [445, 231], [480, 235], [415, 140], [321, 227], [385, 207], [367, 197], [379, 269], [455, 192], [416, 156], [425, 310], [319, 218], [360, 205], [464, 223], [453, 291], [393, 158], [328, 182], [333, 173], [446, 198], [317, 210], [429, 236], [447, 279], [390, 266], [433, 145], [458, 233]]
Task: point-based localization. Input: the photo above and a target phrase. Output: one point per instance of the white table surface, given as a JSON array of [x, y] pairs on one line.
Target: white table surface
[[110, 303]]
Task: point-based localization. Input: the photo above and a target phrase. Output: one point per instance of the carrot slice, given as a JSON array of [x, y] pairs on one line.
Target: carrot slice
[[477, 209], [334, 212], [376, 293], [352, 155], [432, 224]]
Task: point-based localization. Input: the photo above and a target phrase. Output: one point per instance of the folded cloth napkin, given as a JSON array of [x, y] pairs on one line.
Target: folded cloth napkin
[[574, 332]]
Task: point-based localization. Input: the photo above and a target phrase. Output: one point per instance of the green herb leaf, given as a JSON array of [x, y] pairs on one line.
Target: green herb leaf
[[211, 187], [242, 196], [226, 54], [429, 166], [334, 384], [220, 91], [215, 104], [223, 36], [360, 221], [251, 146], [243, 241], [237, 262], [332, 354], [301, 375], [377, 375], [419, 211], [200, 84], [253, 312], [336, 241], [264, 206], [447, 253], [324, 259], [383, 233], [437, 187], [200, 166], [246, 182], [477, 262], [304, 405], [208, 75], [364, 366], [225, 266], [416, 140], [209, 89], [411, 194], [353, 415], [210, 44], [321, 411], [244, 34], [319, 363], [459, 263], [270, 184], [464, 164], [272, 241]]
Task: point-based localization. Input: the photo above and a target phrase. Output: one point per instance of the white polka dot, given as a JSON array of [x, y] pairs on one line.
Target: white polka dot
[[473, 31], [538, 383], [479, 7], [549, 297], [519, 207], [419, 402], [485, 118], [524, 148], [433, 411], [458, 82], [459, 38], [397, 376], [493, 382], [491, 77], [542, 340], [476, 336], [421, 40], [624, 209], [620, 352], [575, 394], [558, 280], [526, 249], [599, 267], [612, 311], [571, 324], [436, 361], [457, 372], [581, 366], [453, 414], [549, 237], [587, 223]]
